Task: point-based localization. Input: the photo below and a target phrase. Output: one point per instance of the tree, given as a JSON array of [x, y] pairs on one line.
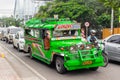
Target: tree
[[104, 20], [93, 11], [10, 21], [73, 9], [113, 4]]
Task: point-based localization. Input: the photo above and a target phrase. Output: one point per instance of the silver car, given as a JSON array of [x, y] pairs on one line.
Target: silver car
[[112, 47]]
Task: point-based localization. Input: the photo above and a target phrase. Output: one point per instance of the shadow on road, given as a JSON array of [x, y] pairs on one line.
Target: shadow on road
[[114, 62], [74, 72]]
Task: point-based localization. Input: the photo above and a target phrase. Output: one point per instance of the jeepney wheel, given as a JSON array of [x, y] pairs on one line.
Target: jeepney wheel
[[59, 64], [30, 52], [106, 60], [94, 69]]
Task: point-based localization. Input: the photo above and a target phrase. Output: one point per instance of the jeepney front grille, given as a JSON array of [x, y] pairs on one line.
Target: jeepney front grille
[[86, 55], [73, 56]]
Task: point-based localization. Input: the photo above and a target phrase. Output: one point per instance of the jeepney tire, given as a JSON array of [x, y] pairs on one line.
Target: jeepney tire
[[30, 53], [106, 60], [94, 69], [59, 64]]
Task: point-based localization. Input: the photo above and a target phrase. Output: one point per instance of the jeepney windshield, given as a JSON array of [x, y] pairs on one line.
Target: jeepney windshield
[[66, 30], [65, 33]]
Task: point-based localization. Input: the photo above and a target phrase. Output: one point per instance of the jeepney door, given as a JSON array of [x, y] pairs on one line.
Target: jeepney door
[[46, 43], [37, 45], [40, 47]]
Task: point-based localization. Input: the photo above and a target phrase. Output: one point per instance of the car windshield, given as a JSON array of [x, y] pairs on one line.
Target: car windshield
[[13, 31], [65, 33]]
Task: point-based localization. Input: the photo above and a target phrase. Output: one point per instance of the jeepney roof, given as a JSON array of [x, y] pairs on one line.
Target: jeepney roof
[[49, 23]]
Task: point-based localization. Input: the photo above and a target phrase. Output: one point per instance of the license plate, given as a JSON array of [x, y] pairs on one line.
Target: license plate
[[87, 63]]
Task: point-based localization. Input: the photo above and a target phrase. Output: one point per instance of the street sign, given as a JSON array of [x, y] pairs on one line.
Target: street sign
[[87, 24], [56, 16]]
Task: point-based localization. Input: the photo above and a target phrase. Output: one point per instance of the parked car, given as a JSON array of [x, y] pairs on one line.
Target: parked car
[[18, 40], [11, 31], [112, 47]]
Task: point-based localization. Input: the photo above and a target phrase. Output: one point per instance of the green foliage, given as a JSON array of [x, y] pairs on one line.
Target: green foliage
[[97, 12], [104, 20], [9, 21], [111, 3]]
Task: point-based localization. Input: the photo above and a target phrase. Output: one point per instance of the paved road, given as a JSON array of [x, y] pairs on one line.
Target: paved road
[[111, 72]]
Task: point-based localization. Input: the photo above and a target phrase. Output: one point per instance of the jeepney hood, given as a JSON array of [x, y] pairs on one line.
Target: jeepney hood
[[63, 43]]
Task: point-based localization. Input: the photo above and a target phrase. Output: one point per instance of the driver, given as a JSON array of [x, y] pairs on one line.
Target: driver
[[47, 40]]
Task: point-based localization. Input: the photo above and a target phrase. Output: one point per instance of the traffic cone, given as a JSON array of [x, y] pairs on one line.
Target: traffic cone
[[2, 55]]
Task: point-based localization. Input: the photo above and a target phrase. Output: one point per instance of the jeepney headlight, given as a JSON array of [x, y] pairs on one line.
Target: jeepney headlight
[[73, 49], [89, 46], [62, 48], [95, 52], [81, 46]]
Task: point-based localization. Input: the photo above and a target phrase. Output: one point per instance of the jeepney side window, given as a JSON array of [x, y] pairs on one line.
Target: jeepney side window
[[42, 34], [37, 34], [32, 32], [27, 31]]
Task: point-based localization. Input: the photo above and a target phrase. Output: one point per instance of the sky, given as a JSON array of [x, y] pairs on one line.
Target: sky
[[6, 8]]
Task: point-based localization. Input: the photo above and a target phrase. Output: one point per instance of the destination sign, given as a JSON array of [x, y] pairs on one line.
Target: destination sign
[[67, 27]]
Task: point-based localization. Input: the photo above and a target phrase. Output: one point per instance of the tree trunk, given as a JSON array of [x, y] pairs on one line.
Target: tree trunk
[[112, 18]]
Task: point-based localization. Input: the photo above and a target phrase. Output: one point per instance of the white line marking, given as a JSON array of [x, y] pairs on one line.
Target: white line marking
[[33, 70]]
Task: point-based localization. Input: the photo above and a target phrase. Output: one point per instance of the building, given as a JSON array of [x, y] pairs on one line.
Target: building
[[18, 12], [26, 9]]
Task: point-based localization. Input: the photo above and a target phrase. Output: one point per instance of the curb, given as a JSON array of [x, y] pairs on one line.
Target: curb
[[33, 70]]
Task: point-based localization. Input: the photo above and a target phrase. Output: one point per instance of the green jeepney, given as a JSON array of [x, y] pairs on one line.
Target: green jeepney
[[59, 42]]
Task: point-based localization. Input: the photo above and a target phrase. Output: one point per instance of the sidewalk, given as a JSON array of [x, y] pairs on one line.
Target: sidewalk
[[12, 68], [6, 71]]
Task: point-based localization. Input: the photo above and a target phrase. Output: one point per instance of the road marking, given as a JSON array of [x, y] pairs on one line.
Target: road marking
[[33, 70]]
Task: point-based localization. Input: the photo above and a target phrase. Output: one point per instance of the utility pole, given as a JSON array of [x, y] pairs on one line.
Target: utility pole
[[15, 8], [112, 18]]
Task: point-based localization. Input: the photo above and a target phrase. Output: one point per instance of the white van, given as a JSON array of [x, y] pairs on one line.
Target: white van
[[18, 40], [11, 31]]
